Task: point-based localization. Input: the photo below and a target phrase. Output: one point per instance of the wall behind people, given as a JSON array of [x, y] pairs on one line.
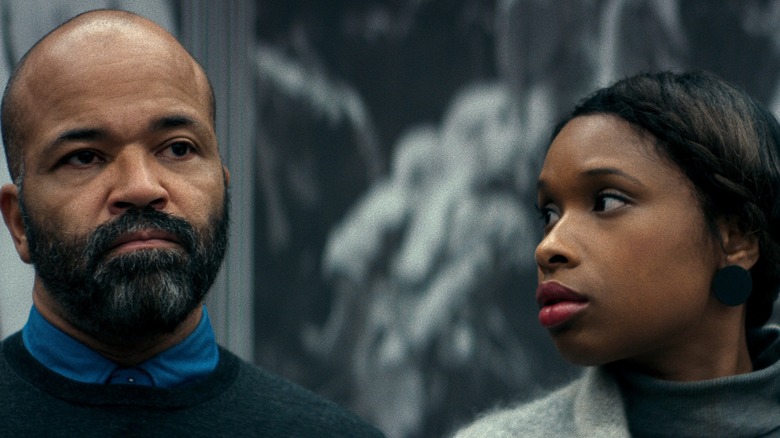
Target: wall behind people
[[384, 156], [397, 151], [15, 276]]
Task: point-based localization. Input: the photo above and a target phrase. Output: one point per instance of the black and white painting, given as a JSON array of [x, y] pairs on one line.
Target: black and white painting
[[383, 255]]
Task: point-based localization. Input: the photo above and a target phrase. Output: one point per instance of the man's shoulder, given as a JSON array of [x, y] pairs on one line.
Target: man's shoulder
[[237, 399], [264, 395]]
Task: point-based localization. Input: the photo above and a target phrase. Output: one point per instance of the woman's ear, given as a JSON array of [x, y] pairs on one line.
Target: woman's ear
[[12, 215], [739, 247]]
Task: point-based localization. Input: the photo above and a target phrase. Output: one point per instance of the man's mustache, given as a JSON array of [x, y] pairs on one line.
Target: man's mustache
[[109, 235]]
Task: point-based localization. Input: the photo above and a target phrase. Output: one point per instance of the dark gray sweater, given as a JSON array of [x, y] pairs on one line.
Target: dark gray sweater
[[236, 400], [612, 402]]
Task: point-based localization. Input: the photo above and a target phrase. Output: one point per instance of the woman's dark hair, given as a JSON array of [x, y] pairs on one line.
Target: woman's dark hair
[[725, 142]]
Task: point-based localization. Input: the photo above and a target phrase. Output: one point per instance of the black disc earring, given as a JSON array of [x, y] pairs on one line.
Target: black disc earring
[[732, 285]]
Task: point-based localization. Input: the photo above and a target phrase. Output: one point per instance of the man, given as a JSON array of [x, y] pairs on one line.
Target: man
[[120, 203]]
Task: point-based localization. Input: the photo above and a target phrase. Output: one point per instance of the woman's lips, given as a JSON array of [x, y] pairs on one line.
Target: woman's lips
[[558, 304]]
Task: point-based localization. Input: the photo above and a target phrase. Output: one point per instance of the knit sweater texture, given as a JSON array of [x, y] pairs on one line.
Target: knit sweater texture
[[610, 401], [236, 400]]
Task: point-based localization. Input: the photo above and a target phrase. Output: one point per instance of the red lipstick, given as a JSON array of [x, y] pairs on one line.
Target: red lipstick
[[558, 303]]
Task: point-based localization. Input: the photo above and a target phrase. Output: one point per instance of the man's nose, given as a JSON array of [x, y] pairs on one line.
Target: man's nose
[[137, 183]]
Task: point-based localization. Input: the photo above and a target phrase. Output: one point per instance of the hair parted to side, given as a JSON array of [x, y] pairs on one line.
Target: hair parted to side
[[725, 142]]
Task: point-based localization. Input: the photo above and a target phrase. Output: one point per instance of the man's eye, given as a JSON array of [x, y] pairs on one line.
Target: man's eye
[[81, 158], [179, 149]]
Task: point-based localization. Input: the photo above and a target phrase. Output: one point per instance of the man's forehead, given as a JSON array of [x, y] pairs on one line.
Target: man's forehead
[[86, 70], [107, 22], [76, 54], [106, 40]]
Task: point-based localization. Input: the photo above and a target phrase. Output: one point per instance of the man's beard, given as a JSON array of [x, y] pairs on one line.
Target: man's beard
[[134, 295]]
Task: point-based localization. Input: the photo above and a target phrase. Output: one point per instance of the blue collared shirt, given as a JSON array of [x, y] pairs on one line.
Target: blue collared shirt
[[191, 359]]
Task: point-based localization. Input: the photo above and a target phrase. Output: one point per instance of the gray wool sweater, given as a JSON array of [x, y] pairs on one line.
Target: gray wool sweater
[[611, 402]]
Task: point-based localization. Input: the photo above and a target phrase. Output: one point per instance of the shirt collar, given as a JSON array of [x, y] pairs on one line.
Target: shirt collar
[[191, 359]]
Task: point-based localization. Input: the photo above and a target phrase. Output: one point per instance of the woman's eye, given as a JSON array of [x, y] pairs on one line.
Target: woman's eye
[[608, 202], [549, 216]]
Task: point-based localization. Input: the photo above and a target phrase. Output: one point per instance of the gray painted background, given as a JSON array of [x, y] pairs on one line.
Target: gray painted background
[[383, 158]]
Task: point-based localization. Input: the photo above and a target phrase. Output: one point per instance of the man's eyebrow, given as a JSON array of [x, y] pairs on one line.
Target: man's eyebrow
[[79, 135], [74, 135], [172, 122], [95, 134]]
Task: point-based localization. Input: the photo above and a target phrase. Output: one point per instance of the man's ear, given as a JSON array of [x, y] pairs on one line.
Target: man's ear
[[226, 173], [12, 215], [739, 247]]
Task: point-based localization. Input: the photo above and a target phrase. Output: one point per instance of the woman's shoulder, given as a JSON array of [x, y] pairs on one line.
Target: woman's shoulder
[[551, 415], [589, 406]]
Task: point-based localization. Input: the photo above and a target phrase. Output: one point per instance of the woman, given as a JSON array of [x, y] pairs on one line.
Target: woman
[[659, 265]]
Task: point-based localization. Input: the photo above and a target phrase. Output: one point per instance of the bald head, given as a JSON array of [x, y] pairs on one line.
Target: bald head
[[81, 53]]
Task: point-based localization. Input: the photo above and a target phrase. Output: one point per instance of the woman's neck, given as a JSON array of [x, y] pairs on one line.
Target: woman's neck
[[722, 354]]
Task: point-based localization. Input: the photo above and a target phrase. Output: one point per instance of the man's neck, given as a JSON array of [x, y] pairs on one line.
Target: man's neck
[[124, 352]]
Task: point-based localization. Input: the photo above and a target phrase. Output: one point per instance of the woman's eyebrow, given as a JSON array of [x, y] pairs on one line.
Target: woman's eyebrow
[[600, 171]]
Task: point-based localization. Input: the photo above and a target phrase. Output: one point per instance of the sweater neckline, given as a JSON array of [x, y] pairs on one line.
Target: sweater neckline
[[741, 405], [191, 359], [27, 367]]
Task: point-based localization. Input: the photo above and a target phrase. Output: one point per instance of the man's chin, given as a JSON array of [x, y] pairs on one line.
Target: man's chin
[[143, 259], [130, 330], [133, 303], [129, 335]]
